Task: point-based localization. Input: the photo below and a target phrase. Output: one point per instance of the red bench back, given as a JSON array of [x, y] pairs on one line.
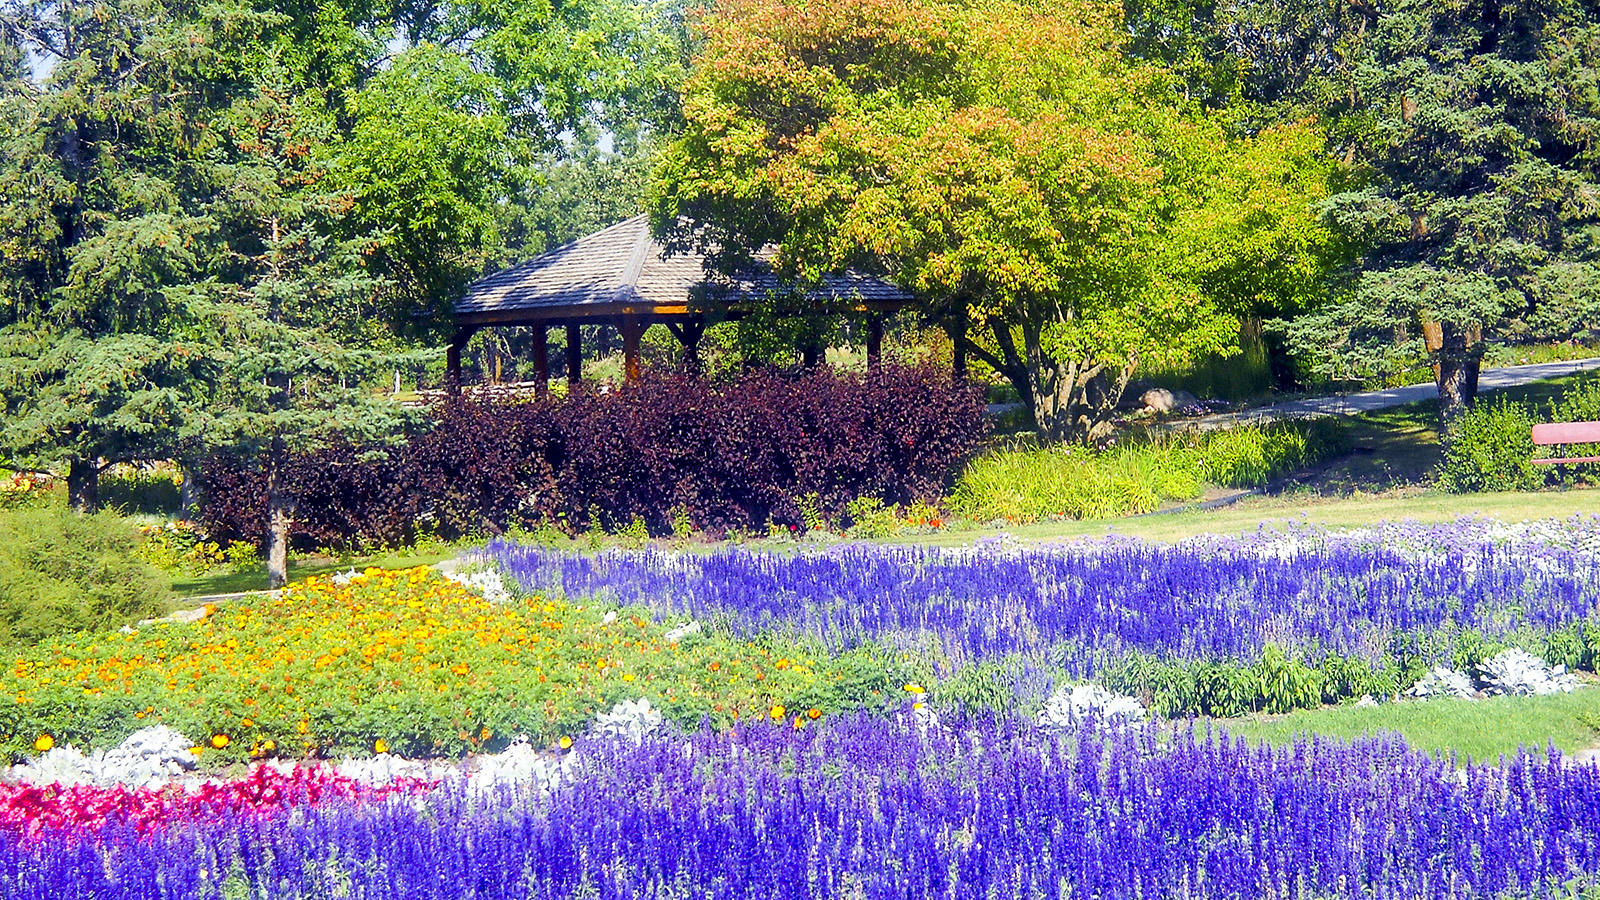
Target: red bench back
[[1567, 433]]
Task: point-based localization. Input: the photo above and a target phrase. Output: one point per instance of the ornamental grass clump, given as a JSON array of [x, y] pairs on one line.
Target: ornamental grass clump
[[416, 661], [1030, 484], [61, 571]]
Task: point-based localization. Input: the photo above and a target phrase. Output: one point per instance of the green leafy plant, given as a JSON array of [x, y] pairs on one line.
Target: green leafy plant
[[1489, 448], [870, 518]]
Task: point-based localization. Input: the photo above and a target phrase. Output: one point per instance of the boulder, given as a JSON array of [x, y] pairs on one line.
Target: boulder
[[1161, 400]]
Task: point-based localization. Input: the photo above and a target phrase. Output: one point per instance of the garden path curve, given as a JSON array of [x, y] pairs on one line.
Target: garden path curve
[[1368, 401]]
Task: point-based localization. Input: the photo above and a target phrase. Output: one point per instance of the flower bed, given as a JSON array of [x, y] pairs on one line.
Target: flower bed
[[407, 658], [32, 813], [1273, 620], [867, 808]]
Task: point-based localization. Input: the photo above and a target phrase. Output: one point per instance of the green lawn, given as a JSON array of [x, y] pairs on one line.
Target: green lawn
[[1304, 507], [1384, 478], [1482, 730], [255, 579]]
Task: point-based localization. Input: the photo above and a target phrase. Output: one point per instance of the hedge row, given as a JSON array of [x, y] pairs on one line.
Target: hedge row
[[670, 451]]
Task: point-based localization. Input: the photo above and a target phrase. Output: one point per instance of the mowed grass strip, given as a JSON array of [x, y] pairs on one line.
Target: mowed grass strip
[[1479, 730]]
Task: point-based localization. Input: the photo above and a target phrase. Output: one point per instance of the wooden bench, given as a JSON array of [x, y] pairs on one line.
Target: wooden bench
[[1566, 433]]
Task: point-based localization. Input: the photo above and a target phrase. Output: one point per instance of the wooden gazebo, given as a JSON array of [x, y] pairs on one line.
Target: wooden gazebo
[[622, 276]]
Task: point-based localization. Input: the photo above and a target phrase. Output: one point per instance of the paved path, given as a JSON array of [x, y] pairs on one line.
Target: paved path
[[1350, 404]]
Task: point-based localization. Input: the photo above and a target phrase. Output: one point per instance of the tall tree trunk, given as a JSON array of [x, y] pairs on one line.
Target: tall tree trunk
[[189, 491], [277, 524], [83, 485], [1459, 357]]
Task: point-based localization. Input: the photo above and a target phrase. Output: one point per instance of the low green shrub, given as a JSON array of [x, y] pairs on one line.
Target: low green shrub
[[61, 572], [1490, 447], [1274, 683]]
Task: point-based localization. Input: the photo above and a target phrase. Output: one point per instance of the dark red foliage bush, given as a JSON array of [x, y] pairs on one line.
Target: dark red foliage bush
[[725, 454]]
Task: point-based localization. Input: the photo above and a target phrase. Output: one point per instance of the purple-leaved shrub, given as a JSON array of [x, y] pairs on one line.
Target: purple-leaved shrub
[[725, 454]]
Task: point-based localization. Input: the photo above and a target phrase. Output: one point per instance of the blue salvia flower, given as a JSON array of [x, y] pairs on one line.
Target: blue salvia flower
[[1367, 596], [863, 807]]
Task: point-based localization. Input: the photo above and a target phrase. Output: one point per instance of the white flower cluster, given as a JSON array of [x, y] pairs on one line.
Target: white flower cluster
[[486, 582], [1520, 673], [1070, 706], [632, 720], [1443, 682], [676, 635]]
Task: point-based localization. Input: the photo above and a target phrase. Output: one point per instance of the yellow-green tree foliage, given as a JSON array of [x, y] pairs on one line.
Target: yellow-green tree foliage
[[1067, 213]]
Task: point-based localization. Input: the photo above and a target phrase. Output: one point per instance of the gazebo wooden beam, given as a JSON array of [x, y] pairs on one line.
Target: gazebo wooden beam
[[452, 358], [688, 333]]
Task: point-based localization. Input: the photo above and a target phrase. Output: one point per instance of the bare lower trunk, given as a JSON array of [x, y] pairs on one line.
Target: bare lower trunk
[[1458, 359], [1073, 400], [83, 485], [189, 492], [277, 530]]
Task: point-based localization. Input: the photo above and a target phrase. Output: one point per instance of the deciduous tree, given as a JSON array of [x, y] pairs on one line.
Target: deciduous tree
[[1066, 213]]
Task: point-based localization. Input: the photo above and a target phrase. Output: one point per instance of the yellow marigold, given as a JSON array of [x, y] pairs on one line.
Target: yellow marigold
[[380, 746], [248, 723], [219, 741], [44, 743], [269, 745], [565, 743], [777, 713]]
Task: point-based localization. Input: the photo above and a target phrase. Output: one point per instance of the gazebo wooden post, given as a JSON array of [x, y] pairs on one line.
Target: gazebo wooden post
[[574, 355], [689, 334], [541, 360], [874, 341], [452, 359], [632, 329], [810, 354]]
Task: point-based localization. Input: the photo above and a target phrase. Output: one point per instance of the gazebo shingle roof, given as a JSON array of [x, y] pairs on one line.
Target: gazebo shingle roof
[[622, 270]]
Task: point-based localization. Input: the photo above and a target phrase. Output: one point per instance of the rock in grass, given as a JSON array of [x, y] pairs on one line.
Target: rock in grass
[[1161, 400]]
